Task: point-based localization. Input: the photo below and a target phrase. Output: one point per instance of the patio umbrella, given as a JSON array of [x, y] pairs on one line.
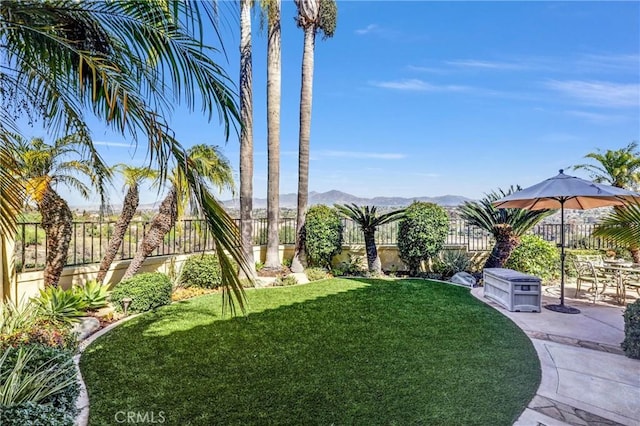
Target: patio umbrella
[[570, 192]]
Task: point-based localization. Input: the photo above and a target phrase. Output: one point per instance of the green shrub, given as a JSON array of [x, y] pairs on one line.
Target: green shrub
[[93, 294], [147, 291], [354, 265], [535, 256], [38, 374], [421, 234], [450, 262], [201, 270], [315, 274], [631, 343], [323, 235], [34, 414], [285, 281], [58, 305]]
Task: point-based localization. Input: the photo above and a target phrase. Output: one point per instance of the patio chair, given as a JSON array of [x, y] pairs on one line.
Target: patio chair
[[586, 272]]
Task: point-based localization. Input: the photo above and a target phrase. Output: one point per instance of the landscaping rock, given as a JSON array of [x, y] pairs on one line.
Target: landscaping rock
[[300, 277], [86, 327], [464, 278], [262, 282]]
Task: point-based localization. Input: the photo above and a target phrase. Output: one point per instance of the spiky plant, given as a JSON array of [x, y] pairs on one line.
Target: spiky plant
[[622, 226], [506, 225], [368, 219]]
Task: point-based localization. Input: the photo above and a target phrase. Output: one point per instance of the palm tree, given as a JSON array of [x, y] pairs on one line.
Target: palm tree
[[506, 225], [43, 167], [246, 134], [619, 168], [313, 16], [214, 169], [274, 66], [622, 226], [132, 178], [368, 219], [127, 62]]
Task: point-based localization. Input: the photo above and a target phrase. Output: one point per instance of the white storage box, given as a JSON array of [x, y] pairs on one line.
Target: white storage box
[[513, 290]]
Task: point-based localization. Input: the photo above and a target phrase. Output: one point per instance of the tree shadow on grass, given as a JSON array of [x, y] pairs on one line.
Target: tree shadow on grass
[[361, 351]]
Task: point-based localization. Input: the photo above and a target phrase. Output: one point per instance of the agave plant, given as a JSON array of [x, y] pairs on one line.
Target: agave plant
[[622, 226], [60, 306], [93, 294]]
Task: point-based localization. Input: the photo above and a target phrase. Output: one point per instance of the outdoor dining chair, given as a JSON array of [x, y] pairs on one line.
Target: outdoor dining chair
[[587, 273]]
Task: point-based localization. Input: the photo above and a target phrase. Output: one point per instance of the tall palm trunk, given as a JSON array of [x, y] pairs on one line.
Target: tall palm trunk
[[57, 223], [129, 207], [246, 135], [506, 242], [373, 261], [160, 225], [306, 94], [273, 134]]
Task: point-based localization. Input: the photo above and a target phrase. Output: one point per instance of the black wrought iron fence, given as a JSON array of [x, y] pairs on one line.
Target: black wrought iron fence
[[89, 240]]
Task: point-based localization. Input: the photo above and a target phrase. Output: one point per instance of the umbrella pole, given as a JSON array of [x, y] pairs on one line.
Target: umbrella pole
[[562, 308]]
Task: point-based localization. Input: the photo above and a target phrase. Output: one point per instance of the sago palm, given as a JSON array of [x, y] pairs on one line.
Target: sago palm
[[215, 170], [369, 220], [506, 225], [620, 168], [622, 226], [127, 62], [133, 176], [43, 167], [313, 16]]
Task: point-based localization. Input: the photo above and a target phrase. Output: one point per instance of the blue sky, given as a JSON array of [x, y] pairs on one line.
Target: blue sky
[[426, 98]]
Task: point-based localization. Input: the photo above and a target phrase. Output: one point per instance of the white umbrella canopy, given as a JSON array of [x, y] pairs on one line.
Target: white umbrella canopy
[[573, 193]]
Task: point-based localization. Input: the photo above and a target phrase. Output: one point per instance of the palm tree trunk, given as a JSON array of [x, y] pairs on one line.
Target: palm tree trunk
[[506, 242], [273, 135], [306, 95], [56, 221], [373, 261], [160, 225], [635, 254], [246, 135], [129, 207]]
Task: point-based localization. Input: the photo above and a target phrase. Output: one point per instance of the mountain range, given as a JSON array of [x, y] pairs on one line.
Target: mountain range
[[338, 197]]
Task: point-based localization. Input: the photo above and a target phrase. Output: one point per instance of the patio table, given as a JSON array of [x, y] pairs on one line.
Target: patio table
[[619, 269]]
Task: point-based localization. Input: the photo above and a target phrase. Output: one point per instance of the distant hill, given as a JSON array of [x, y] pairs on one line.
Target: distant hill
[[338, 197]]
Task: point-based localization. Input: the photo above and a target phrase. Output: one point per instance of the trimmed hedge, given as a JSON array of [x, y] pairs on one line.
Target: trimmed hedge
[[201, 270], [535, 256], [631, 343], [421, 234], [323, 235], [147, 291]]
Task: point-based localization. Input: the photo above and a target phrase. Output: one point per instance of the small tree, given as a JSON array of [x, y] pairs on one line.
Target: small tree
[[369, 220], [323, 235], [422, 233]]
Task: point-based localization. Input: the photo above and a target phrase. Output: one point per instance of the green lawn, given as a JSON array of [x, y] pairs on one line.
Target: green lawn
[[344, 352]]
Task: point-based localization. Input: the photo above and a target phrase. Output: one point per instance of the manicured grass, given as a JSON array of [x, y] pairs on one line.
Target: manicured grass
[[337, 351]]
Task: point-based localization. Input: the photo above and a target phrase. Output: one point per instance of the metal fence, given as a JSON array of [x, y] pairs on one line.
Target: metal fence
[[89, 240]]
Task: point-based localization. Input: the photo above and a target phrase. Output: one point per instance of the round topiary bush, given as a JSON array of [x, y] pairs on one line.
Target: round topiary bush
[[421, 234], [147, 291], [201, 270], [631, 343], [323, 235], [535, 256]]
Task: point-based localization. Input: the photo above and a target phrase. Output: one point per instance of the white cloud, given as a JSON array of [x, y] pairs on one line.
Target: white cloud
[[600, 93], [595, 117], [369, 29], [360, 155], [417, 85], [472, 63]]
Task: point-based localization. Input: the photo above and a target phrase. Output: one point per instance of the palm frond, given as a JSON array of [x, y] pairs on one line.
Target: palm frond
[[622, 225]]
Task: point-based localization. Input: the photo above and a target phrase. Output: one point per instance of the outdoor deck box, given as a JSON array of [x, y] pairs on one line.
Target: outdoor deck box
[[515, 291]]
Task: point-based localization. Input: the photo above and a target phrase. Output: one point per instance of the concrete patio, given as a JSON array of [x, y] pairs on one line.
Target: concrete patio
[[586, 379]]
